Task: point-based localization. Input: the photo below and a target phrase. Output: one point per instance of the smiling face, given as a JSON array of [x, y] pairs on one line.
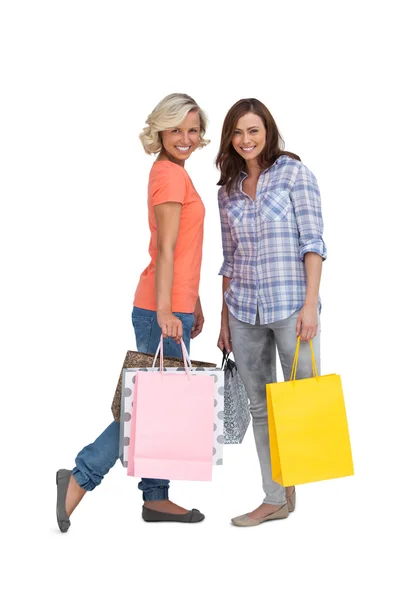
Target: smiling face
[[181, 141], [249, 136]]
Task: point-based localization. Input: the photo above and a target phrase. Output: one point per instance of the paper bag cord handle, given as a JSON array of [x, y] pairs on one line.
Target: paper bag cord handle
[[296, 361], [160, 350]]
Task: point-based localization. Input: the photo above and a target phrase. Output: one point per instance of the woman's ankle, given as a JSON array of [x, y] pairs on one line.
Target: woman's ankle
[[165, 506], [74, 495]]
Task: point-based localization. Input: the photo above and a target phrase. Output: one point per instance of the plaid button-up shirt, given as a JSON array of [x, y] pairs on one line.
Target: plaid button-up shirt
[[264, 241]]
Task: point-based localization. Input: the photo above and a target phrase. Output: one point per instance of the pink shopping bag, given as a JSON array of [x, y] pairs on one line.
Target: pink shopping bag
[[172, 425]]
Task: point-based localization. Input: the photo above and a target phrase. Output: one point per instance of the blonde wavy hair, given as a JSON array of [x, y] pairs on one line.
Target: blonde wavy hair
[[170, 113]]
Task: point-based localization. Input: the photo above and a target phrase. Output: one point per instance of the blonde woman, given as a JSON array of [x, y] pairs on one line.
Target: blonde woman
[[167, 296]]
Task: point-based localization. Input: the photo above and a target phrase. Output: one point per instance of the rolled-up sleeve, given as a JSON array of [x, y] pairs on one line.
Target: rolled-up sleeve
[[228, 246], [306, 199]]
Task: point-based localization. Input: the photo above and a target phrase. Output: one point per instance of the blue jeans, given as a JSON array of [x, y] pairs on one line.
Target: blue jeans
[[95, 460]]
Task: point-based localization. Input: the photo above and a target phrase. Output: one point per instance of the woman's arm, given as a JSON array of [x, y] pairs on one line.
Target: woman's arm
[[228, 245], [224, 340], [307, 322], [306, 200], [228, 248], [198, 319], [167, 217]]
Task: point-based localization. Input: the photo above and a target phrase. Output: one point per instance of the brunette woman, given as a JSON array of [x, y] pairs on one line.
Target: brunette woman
[[273, 249]]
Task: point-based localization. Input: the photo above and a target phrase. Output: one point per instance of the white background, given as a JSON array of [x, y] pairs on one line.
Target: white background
[[78, 80]]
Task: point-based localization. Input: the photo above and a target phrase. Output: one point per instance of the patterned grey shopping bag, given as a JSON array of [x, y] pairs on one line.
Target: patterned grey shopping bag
[[236, 409]]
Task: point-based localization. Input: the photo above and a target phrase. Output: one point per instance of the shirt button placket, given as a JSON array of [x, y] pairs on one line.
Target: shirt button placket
[[262, 180]]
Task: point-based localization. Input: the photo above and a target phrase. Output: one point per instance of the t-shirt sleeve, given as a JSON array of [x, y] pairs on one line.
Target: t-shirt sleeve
[[167, 185]]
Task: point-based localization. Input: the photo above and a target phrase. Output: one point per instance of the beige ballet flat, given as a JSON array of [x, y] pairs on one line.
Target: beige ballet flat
[[247, 521], [291, 501]]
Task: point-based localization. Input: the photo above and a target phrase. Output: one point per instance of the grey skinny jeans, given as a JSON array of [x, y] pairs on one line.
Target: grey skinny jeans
[[254, 349]]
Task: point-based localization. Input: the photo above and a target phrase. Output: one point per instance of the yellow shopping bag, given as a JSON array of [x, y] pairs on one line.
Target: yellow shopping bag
[[309, 436]]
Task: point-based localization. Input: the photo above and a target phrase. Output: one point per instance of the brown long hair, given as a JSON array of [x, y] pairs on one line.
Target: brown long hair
[[228, 161]]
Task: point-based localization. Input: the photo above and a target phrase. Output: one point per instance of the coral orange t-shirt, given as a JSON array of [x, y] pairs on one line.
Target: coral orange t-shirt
[[169, 182]]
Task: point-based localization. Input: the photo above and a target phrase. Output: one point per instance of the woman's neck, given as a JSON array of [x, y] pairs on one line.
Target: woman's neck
[[165, 156], [253, 169]]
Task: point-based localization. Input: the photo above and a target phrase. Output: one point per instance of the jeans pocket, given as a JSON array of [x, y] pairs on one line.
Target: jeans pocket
[[143, 326]]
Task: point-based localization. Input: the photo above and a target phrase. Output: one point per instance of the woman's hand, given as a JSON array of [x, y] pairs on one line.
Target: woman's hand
[[170, 325], [307, 322], [224, 340], [198, 320]]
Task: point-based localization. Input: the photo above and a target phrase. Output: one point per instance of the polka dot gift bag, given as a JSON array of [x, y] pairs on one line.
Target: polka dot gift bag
[[128, 391], [172, 421]]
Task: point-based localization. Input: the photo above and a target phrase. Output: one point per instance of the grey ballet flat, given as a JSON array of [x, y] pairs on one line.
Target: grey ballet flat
[[62, 479], [152, 516]]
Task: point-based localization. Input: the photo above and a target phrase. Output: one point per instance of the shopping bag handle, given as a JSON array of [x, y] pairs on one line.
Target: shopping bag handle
[[227, 363], [225, 356], [296, 361], [160, 351]]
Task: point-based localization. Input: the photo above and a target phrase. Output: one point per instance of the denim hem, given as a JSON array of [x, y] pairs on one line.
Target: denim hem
[[84, 482], [160, 493]]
